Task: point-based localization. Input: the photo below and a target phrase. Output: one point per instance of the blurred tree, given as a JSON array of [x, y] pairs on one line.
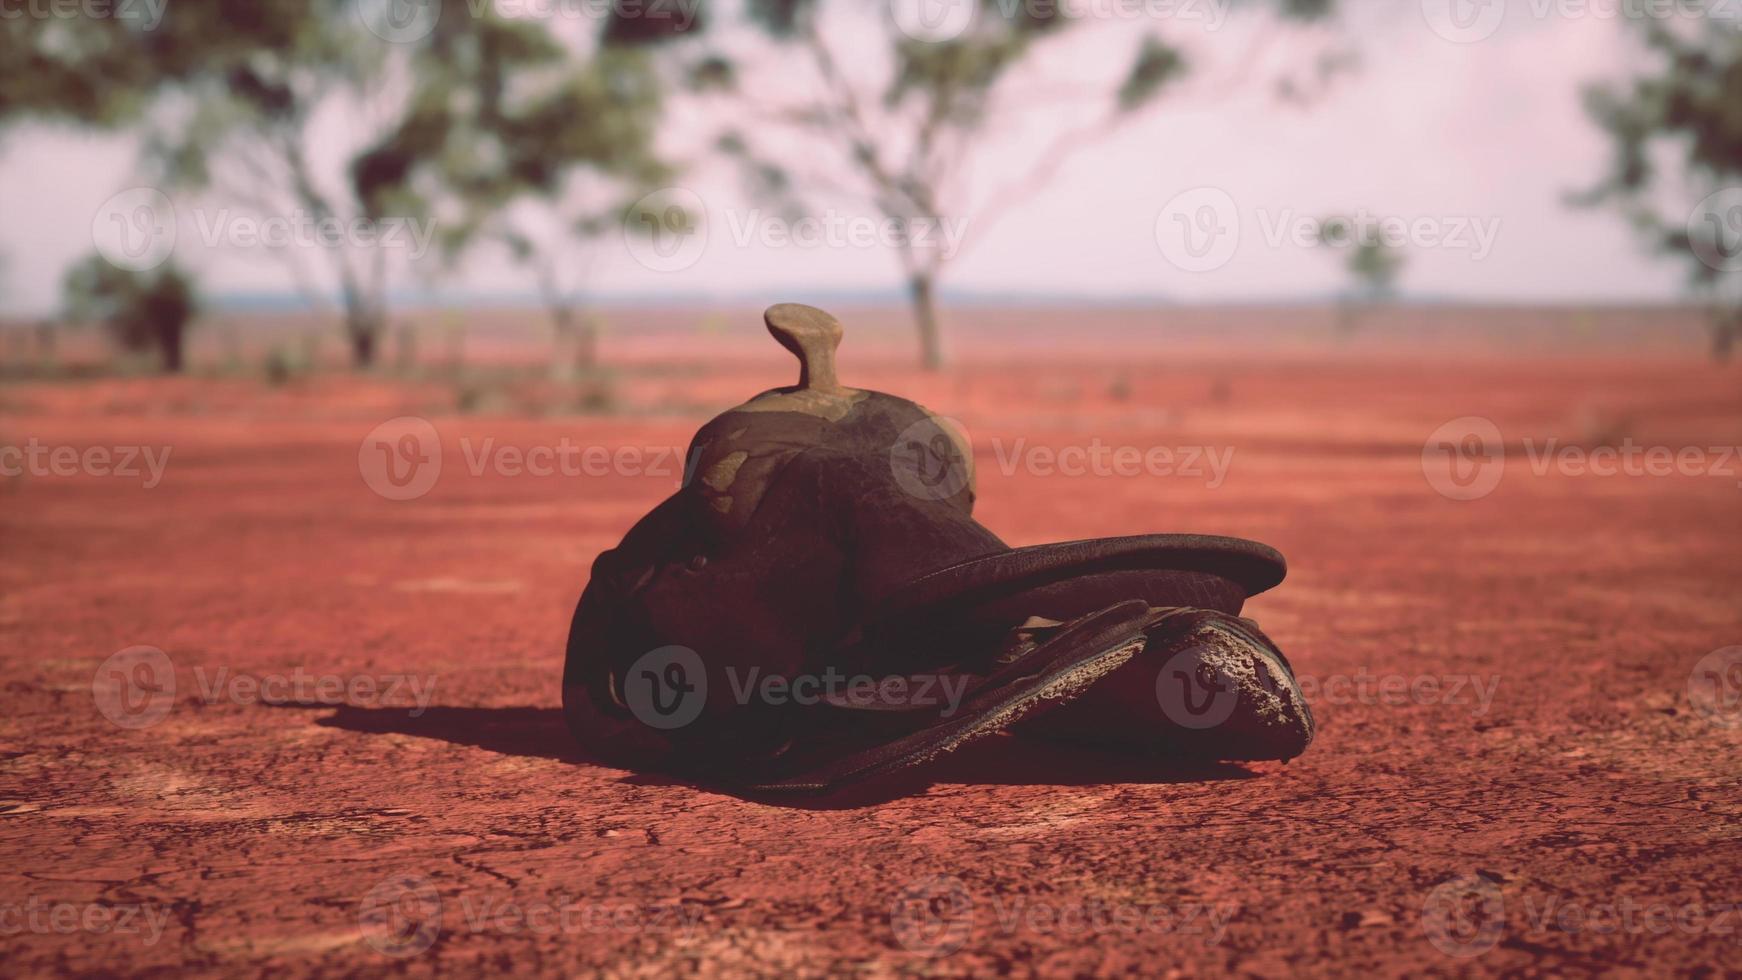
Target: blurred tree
[[228, 93], [242, 127], [914, 143], [1676, 136], [1373, 265], [552, 150], [144, 310]]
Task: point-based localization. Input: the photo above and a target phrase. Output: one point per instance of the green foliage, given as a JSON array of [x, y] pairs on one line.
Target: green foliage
[[1157, 64], [906, 143], [1686, 110], [143, 310], [1373, 263], [107, 70]]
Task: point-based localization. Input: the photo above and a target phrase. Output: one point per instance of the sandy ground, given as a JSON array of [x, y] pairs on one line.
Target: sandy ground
[[1529, 759]]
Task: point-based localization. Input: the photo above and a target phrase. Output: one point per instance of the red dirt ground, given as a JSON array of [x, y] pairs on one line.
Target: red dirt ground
[[1503, 687]]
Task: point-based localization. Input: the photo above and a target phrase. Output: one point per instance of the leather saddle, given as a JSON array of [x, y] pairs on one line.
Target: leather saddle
[[816, 607]]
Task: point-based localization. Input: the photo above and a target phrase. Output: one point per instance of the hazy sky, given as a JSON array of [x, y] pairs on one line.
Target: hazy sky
[[1468, 143]]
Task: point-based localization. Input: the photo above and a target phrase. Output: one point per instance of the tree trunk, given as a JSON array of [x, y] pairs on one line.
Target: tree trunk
[[365, 311], [1725, 325], [169, 343], [574, 354], [925, 315], [364, 331], [587, 344], [406, 348]]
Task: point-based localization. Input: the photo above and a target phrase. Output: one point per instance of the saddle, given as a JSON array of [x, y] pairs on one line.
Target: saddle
[[816, 607]]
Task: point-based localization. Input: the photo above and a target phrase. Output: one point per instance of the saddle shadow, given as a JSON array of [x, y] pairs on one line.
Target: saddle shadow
[[1002, 760], [523, 731]]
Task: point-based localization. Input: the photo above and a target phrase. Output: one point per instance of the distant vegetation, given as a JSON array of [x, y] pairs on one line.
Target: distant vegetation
[[1676, 136]]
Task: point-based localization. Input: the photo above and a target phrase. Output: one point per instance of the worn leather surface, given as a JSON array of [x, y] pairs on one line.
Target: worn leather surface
[[822, 528]]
